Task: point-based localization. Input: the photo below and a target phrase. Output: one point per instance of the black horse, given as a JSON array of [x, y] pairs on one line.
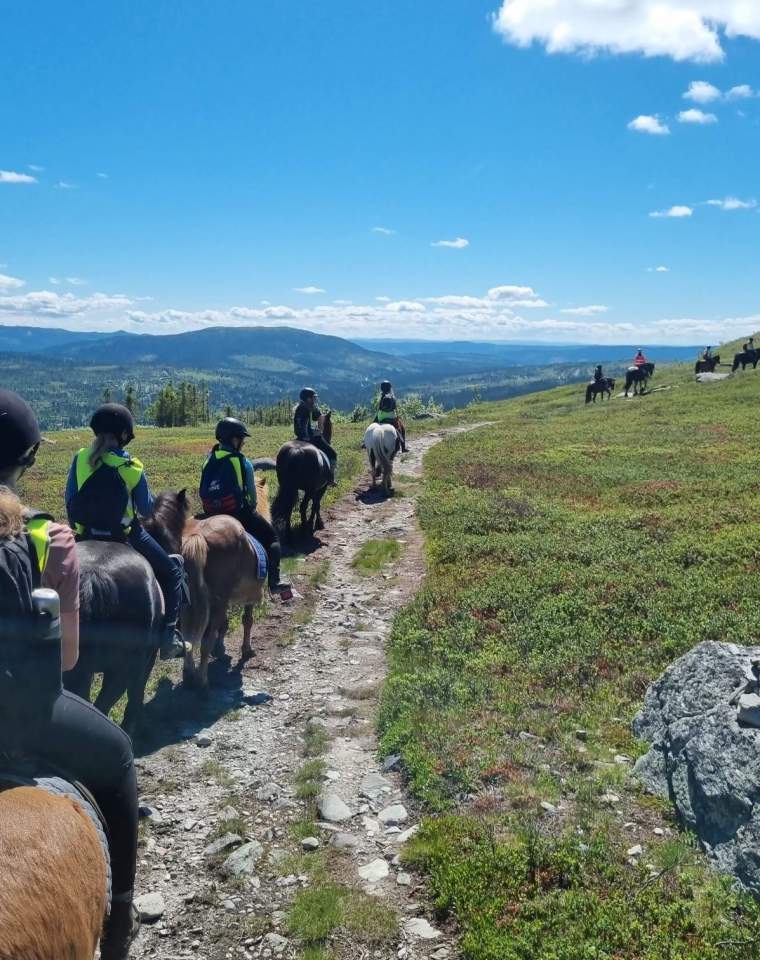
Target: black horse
[[637, 378], [745, 358], [121, 614], [605, 386], [301, 466], [707, 366]]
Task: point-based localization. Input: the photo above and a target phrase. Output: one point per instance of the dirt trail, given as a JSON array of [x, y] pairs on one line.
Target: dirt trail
[[223, 764]]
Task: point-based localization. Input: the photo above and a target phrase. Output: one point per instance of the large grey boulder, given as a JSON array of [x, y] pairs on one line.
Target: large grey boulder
[[705, 752]]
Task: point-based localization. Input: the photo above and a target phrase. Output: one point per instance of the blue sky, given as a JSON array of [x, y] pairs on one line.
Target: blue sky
[[165, 166]]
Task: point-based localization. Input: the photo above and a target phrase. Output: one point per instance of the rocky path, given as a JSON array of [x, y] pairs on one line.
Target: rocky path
[[240, 817]]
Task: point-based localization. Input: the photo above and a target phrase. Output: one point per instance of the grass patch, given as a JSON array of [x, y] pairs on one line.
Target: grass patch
[[319, 573], [213, 770], [318, 915], [315, 740], [374, 555], [574, 553]]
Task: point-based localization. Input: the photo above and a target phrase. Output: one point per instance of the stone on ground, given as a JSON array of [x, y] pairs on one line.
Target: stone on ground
[[375, 871], [332, 808], [242, 862], [419, 928], [150, 906], [393, 815], [373, 786], [224, 842]]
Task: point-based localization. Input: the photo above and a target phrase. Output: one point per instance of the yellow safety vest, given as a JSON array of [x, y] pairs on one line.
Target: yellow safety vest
[[38, 529], [129, 469]]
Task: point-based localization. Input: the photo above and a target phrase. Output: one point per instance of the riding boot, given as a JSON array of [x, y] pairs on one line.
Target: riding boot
[[121, 928], [172, 644], [333, 467]]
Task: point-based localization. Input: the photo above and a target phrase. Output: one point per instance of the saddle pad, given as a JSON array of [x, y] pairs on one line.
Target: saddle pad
[[58, 787], [261, 556]]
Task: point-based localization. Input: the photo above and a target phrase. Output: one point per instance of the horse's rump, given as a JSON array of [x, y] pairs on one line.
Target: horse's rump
[[54, 878], [220, 559]]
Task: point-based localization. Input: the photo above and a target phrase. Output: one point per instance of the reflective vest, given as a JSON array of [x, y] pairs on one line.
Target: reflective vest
[[38, 528], [102, 506], [386, 416], [223, 488]]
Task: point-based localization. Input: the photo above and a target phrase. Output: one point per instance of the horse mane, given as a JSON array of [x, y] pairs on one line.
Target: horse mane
[[169, 519]]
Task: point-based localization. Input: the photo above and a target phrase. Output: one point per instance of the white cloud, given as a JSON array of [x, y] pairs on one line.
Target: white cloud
[[383, 299], [696, 116], [405, 306], [65, 185], [10, 283], [658, 269], [10, 176], [75, 281], [516, 296], [459, 244], [680, 29], [51, 305], [590, 311], [385, 231], [343, 303], [102, 176], [676, 212], [733, 203], [54, 280], [310, 290], [36, 168], [741, 92], [700, 91], [649, 124]]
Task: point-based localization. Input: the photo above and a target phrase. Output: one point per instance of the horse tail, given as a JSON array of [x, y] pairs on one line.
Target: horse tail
[[98, 595], [735, 367], [283, 503], [195, 616], [588, 394], [386, 464]]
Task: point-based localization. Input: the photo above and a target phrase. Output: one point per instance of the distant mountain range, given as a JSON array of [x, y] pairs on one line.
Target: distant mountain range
[[64, 372]]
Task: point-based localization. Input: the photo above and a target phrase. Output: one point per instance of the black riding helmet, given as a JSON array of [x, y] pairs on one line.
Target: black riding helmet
[[229, 428], [386, 386], [113, 418], [307, 393], [19, 433]]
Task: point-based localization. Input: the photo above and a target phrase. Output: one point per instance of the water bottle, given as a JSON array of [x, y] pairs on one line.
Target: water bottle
[[47, 640]]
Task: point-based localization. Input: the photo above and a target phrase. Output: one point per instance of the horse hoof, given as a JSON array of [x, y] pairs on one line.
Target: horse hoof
[[247, 654], [319, 525], [218, 651]]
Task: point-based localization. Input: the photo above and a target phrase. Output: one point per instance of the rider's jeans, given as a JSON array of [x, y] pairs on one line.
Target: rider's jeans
[[82, 744], [168, 573]]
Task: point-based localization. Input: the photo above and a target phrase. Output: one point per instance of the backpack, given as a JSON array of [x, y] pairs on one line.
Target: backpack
[[30, 677], [99, 506], [222, 489]]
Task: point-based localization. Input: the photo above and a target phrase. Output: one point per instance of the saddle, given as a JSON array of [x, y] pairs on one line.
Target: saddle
[[19, 776], [261, 556]]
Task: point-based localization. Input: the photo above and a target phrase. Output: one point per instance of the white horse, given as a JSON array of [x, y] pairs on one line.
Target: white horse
[[381, 441]]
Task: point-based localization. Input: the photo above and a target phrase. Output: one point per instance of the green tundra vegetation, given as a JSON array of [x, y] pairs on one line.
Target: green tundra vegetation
[[575, 551]]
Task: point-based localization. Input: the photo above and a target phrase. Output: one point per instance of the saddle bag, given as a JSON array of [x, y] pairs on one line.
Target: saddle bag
[[220, 491]]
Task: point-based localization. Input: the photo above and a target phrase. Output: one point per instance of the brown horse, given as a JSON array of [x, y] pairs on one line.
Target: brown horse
[[53, 888], [222, 569]]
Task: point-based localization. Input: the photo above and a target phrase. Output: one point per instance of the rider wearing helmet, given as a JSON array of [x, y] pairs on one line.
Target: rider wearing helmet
[[387, 411], [598, 375], [106, 492], [640, 360], [57, 730], [305, 415], [707, 354], [228, 487]]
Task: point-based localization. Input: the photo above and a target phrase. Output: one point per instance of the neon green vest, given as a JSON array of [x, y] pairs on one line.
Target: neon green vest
[[38, 529], [236, 466], [129, 469], [386, 416]]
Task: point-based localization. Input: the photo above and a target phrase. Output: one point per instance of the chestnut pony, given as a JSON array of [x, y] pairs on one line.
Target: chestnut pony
[[53, 888], [222, 569]]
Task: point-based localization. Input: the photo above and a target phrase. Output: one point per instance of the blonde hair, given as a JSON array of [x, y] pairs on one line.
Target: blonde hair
[[100, 445], [11, 514]]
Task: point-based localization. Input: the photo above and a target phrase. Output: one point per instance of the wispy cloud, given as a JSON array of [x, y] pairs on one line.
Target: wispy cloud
[[733, 203], [590, 311], [459, 244], [10, 283], [696, 116], [75, 281], [385, 231], [741, 92], [36, 168], [309, 290], [700, 91], [11, 176], [660, 269], [677, 212], [649, 124], [65, 185], [383, 299], [103, 176]]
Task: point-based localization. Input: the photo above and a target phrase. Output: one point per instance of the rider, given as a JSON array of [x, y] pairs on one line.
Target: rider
[[228, 486], [106, 490], [59, 729], [707, 354], [749, 346], [598, 375], [640, 360], [387, 411], [305, 414]]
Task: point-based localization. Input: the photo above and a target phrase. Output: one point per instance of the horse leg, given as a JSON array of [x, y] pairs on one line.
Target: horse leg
[[136, 693], [372, 469], [216, 620], [247, 651], [316, 512], [112, 689], [218, 650], [303, 510]]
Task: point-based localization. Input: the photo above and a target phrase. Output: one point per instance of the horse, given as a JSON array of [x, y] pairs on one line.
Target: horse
[[121, 615], [301, 466], [744, 358], [707, 366], [638, 376], [382, 443], [222, 568], [605, 386], [53, 891]]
